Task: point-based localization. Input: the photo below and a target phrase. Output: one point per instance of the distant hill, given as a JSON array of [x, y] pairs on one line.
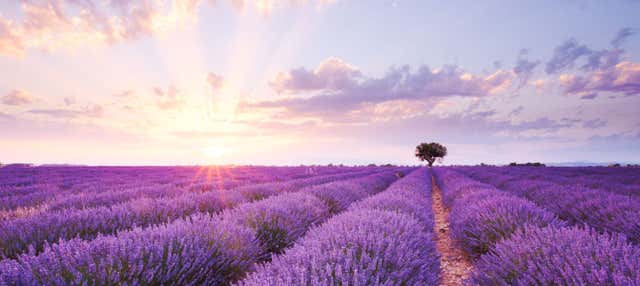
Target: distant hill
[[17, 165], [62, 165], [585, 164]]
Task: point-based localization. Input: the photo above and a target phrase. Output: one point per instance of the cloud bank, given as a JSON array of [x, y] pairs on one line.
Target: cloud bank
[[336, 86], [18, 97], [69, 24]]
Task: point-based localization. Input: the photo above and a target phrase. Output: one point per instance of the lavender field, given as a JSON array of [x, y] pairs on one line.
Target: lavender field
[[323, 225], [319, 143]]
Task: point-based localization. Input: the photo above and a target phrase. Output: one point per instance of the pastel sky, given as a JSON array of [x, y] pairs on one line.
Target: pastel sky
[[330, 81]]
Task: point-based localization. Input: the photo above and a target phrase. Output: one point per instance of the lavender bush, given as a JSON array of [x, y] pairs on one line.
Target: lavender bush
[[376, 242], [410, 195], [454, 185], [482, 216], [601, 210], [315, 225], [340, 195], [578, 205], [278, 221], [197, 251], [338, 198], [57, 188], [560, 256], [361, 247], [480, 224], [623, 181], [17, 235]]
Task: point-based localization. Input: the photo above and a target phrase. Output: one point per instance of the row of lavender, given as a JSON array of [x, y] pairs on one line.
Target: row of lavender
[[600, 209], [46, 188], [385, 239], [72, 179], [198, 250], [19, 235], [623, 181], [515, 242]]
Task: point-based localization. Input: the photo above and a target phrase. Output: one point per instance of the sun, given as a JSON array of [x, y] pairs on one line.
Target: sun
[[214, 151]]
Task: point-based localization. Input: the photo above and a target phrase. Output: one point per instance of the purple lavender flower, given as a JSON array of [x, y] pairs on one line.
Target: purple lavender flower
[[201, 250], [601, 209], [560, 256], [478, 225], [361, 247], [410, 195], [481, 215], [16, 236], [278, 221]]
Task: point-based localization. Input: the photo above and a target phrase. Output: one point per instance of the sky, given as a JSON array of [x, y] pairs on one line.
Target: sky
[[269, 82]]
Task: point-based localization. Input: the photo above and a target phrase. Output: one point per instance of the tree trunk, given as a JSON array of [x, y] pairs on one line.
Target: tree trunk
[[431, 162]]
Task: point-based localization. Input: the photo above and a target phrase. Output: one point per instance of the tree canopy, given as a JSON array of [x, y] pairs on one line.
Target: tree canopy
[[430, 151]]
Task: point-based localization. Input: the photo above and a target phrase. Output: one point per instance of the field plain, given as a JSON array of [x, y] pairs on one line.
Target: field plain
[[319, 226]]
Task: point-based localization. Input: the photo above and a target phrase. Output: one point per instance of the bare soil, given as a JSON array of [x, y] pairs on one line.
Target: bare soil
[[454, 263]]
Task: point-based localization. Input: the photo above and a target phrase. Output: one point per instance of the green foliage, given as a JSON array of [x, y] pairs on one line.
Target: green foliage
[[430, 151], [528, 164]]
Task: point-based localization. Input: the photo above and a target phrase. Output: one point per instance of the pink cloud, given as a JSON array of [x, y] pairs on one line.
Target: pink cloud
[[571, 52], [170, 104], [61, 24], [337, 88], [566, 55], [266, 6], [541, 85], [524, 68], [94, 111], [71, 24], [171, 98], [331, 74], [216, 82], [69, 101], [125, 93], [158, 91], [622, 78], [622, 36], [10, 43], [18, 97], [335, 75]]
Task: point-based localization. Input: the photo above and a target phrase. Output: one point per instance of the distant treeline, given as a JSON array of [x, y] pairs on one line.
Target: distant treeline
[[538, 164], [628, 165], [528, 164]]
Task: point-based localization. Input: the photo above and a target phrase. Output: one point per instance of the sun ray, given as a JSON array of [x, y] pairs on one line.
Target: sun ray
[[197, 175]]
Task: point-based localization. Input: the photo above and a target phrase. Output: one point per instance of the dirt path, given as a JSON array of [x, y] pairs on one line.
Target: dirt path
[[455, 264]]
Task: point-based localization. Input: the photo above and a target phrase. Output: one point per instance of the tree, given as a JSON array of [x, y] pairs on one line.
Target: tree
[[430, 151]]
